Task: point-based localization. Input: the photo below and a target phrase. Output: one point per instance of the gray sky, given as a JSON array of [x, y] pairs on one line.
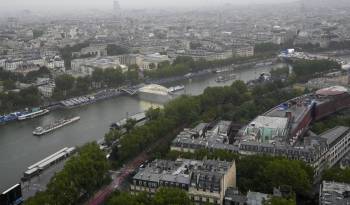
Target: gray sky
[[105, 4]]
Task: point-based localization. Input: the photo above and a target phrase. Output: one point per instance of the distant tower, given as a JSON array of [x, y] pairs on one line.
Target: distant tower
[[116, 7], [303, 13]]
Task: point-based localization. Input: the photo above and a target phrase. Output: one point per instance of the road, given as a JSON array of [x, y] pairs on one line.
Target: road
[[118, 178], [120, 175]]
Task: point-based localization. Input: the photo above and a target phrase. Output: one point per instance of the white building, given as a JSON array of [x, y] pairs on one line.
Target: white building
[[204, 54], [47, 90], [35, 61], [128, 59], [11, 65], [2, 63], [87, 66], [152, 59], [338, 144], [243, 51], [55, 63], [95, 50]]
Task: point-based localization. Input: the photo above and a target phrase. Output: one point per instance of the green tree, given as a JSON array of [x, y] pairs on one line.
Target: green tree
[[132, 75], [130, 124], [280, 73], [33, 75], [337, 174], [171, 196], [339, 119], [37, 33], [82, 85], [112, 136], [9, 84], [98, 76], [291, 173], [64, 83], [305, 69], [67, 51], [82, 174], [128, 199], [280, 201], [152, 66], [114, 50], [113, 77], [266, 48], [153, 114]]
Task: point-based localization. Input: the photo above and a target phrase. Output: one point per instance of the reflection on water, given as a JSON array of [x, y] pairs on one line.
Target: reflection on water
[[145, 105]]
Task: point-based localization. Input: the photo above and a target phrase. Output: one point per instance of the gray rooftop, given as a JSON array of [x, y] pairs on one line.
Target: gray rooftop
[[214, 138], [256, 198], [334, 134], [179, 171], [334, 193]]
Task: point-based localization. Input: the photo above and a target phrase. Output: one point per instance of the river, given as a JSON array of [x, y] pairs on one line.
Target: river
[[19, 148]]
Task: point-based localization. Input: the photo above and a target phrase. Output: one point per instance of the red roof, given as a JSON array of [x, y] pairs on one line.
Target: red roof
[[334, 90]]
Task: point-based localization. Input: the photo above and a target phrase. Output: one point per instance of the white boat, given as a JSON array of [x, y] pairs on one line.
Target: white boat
[[56, 125], [222, 71], [33, 114], [189, 75], [345, 65], [224, 78], [176, 88]]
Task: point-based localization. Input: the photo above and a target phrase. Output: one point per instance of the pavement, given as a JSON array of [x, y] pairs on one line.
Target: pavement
[[38, 183]]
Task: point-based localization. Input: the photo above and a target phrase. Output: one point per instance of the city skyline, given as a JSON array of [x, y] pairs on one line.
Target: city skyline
[[103, 100], [127, 4]]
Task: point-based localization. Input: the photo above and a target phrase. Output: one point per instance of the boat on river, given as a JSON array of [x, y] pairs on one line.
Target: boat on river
[[176, 88], [33, 113], [9, 117], [138, 118], [54, 126], [225, 78]]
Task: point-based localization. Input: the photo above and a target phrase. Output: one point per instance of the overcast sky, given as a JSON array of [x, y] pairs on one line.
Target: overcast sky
[[105, 4]]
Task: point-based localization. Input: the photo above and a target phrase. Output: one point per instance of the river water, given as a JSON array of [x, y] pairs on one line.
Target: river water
[[19, 148]]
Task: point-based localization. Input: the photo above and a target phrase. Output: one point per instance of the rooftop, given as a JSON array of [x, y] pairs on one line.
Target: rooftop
[[216, 137], [334, 90], [256, 198], [335, 193], [286, 117], [180, 171], [334, 134]]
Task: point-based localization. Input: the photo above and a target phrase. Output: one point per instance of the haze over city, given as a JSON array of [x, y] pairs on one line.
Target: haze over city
[[128, 4], [183, 102]]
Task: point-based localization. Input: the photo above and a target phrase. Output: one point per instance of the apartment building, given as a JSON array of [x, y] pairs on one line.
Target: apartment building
[[205, 181]]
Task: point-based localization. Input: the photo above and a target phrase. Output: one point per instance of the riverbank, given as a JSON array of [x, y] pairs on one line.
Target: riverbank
[[114, 92], [19, 148]]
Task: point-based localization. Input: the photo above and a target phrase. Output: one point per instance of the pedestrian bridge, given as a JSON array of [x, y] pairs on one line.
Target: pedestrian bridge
[[129, 90]]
